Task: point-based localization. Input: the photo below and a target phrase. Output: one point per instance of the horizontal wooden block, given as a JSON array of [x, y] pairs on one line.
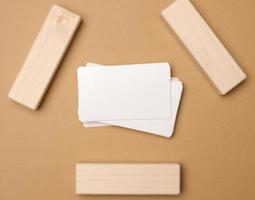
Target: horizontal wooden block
[[128, 179], [44, 57], [203, 44]]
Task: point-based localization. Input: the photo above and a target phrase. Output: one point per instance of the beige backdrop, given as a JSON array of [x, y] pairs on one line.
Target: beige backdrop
[[214, 138]]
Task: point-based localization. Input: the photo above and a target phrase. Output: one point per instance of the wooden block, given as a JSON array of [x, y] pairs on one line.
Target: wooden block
[[128, 179], [203, 44], [44, 57]]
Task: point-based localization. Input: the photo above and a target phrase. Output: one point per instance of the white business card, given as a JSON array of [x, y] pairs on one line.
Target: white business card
[[125, 92], [162, 127]]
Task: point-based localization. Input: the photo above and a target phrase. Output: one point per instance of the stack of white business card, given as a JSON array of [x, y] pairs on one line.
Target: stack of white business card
[[142, 97]]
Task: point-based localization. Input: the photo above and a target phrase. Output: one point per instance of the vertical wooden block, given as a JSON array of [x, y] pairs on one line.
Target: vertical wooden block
[[203, 44], [128, 179], [44, 57]]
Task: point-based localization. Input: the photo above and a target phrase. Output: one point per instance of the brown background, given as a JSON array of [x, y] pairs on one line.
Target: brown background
[[214, 138]]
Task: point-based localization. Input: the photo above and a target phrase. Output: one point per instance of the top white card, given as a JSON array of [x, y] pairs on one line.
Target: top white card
[[138, 91]]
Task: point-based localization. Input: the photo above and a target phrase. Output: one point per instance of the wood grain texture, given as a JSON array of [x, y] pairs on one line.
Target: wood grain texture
[[204, 45], [44, 57], [128, 179]]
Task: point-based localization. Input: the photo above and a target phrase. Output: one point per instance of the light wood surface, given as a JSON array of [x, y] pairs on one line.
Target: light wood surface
[[128, 179], [203, 44], [44, 57]]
